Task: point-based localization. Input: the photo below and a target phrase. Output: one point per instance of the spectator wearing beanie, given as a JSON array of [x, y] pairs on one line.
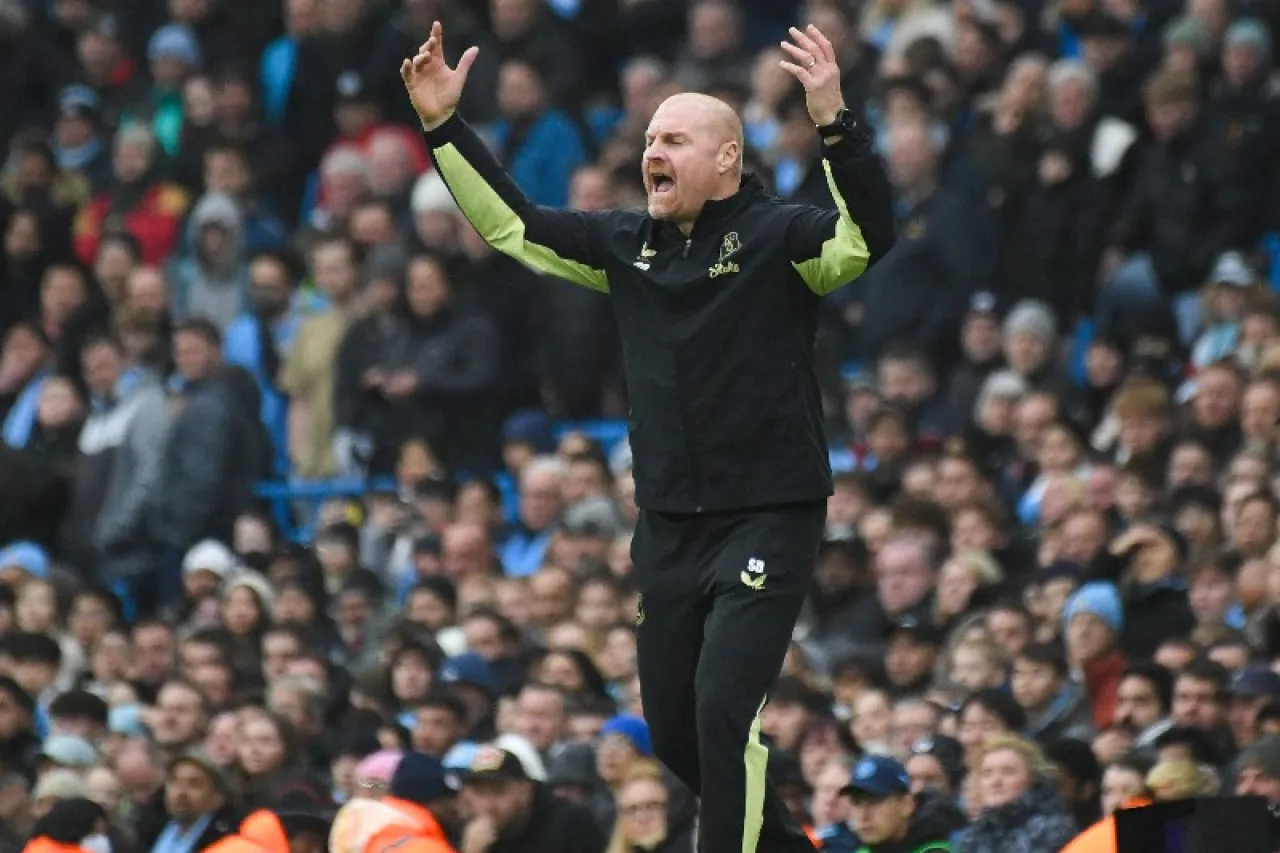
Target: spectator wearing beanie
[[1093, 620], [1028, 337], [374, 773]]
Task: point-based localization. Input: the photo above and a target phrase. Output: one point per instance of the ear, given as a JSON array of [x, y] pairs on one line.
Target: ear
[[730, 156]]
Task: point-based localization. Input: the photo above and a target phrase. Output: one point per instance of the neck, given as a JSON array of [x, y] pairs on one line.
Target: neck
[[727, 190]]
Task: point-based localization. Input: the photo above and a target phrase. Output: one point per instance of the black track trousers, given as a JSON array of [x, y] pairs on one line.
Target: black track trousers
[[719, 598]]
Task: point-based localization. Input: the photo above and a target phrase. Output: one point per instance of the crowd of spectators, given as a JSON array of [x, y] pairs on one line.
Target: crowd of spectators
[[1051, 578]]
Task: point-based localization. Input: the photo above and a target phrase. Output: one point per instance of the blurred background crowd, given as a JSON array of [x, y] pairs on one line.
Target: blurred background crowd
[[297, 474]]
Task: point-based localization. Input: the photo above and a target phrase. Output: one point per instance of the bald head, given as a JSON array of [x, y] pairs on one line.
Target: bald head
[[705, 113], [693, 154]]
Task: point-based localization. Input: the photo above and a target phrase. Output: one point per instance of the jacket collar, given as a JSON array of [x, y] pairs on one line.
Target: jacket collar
[[719, 211]]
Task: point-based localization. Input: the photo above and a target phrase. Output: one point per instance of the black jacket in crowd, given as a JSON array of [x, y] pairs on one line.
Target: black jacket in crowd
[[717, 328], [214, 456], [555, 825], [1184, 210]]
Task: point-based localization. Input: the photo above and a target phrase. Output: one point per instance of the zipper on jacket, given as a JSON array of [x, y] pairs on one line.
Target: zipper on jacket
[[688, 244]]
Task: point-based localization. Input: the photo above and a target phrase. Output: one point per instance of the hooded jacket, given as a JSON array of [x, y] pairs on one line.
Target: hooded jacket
[[120, 448], [1036, 822], [214, 287]]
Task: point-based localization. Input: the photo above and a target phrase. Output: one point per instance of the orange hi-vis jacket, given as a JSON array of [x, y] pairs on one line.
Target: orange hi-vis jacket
[[263, 828], [44, 844], [424, 836], [1101, 837], [260, 832]]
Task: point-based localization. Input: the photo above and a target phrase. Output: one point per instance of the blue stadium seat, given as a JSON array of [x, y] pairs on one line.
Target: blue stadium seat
[[287, 499]]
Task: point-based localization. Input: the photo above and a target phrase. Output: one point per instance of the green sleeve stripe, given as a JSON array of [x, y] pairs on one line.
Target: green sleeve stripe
[[502, 228], [755, 759], [844, 256]]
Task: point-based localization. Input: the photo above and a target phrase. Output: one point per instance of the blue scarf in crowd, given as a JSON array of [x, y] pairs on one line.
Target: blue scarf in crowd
[[128, 381], [21, 420], [174, 840]]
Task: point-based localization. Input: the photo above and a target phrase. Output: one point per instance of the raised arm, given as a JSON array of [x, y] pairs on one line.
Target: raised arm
[[562, 243], [831, 248]]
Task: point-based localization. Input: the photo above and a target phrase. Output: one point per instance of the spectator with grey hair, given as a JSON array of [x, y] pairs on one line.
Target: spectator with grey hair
[[541, 502], [905, 571], [344, 183]]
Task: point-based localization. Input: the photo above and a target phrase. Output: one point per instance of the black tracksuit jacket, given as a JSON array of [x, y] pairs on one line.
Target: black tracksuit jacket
[[717, 328]]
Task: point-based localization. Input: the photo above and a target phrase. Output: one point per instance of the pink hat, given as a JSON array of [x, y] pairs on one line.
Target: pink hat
[[380, 766]]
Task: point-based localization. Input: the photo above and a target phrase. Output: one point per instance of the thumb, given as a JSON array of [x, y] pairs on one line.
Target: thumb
[[465, 62]]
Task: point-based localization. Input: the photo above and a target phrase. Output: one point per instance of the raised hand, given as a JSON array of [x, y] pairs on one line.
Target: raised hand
[[815, 67], [435, 88]]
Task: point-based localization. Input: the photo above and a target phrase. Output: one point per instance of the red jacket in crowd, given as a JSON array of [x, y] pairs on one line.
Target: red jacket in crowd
[[155, 222]]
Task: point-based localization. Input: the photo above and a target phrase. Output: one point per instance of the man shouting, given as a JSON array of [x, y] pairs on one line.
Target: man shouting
[[715, 289]]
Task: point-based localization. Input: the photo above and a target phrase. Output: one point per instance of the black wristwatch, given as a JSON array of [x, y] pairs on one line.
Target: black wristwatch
[[845, 123]]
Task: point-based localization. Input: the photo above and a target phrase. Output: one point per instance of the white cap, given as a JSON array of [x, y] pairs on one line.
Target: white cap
[[431, 195], [60, 784], [255, 583], [524, 752], [210, 556], [1231, 269]]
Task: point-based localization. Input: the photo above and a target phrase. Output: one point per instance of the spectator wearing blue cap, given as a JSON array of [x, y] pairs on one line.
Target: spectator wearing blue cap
[[78, 144], [1251, 688], [22, 561], [624, 744], [173, 53], [885, 814], [1092, 621], [469, 678]]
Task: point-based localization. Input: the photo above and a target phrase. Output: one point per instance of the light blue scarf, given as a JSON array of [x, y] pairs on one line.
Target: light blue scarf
[[21, 421], [174, 840]]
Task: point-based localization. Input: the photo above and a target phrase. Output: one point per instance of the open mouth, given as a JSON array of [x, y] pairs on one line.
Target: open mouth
[[662, 183]]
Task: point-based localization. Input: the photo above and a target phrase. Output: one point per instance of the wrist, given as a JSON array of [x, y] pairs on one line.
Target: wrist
[[433, 124], [825, 117]]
